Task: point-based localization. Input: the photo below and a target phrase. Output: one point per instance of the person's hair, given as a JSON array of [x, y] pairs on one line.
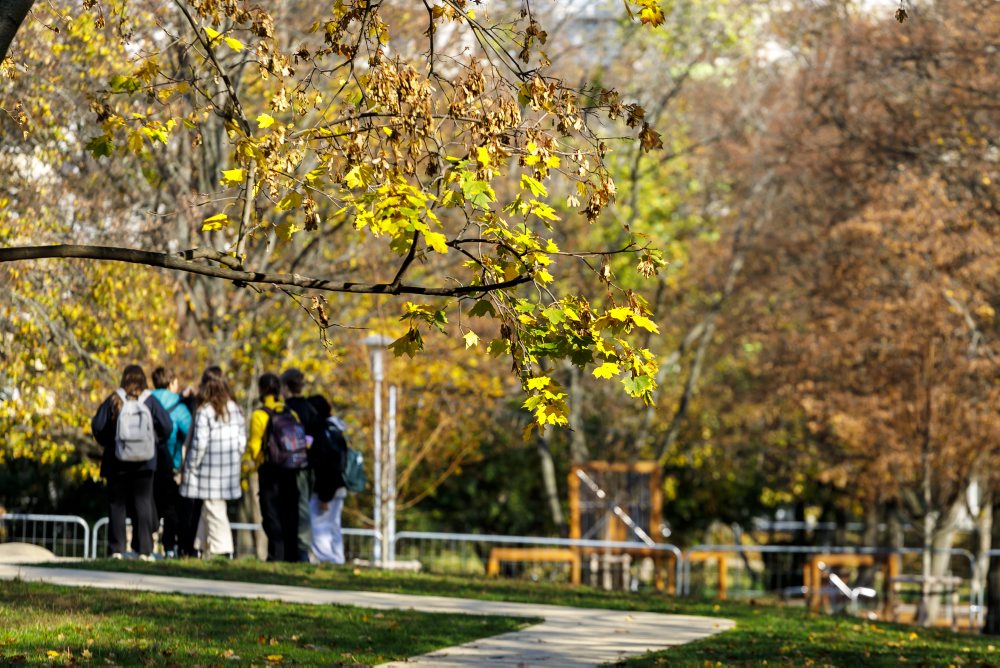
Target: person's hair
[[322, 406], [294, 380], [213, 371], [133, 382], [162, 377], [269, 385], [214, 390]]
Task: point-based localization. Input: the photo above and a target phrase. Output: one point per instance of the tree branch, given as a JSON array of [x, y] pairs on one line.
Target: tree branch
[[12, 14], [183, 262], [407, 260]]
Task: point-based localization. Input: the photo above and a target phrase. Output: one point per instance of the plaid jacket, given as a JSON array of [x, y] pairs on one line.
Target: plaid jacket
[[212, 465]]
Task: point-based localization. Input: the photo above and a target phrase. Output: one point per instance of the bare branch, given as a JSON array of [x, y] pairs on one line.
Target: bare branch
[[180, 262]]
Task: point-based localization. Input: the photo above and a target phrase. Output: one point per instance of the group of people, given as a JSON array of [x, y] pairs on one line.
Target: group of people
[[179, 457]]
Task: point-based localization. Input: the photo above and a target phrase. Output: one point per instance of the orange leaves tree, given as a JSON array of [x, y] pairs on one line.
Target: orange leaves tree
[[871, 282]]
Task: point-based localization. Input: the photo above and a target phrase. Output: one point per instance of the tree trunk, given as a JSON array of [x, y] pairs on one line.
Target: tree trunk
[[577, 398], [549, 479], [942, 534], [992, 626], [12, 14], [927, 607], [870, 538], [982, 545]]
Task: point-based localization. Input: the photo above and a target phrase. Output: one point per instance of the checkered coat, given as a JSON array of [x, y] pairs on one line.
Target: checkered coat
[[211, 467]]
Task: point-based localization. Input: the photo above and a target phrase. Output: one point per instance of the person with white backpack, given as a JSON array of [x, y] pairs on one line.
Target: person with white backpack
[[133, 428]]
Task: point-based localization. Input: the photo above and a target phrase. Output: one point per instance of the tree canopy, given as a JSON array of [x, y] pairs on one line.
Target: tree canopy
[[438, 142]]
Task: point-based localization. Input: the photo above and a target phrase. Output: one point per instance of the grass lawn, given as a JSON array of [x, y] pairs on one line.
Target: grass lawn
[[764, 633], [50, 625]]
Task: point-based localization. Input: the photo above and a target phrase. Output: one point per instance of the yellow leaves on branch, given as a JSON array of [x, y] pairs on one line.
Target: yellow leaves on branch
[[214, 37], [232, 177], [627, 315], [649, 11], [607, 370], [215, 223]]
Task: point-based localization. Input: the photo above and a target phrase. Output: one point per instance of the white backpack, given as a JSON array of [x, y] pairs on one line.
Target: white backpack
[[135, 440]]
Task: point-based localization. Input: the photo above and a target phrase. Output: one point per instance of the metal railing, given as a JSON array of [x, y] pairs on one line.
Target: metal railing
[[536, 557], [976, 593], [63, 535], [358, 543], [467, 553]]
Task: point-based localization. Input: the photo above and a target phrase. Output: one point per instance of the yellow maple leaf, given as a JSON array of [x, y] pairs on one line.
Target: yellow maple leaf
[[232, 177], [607, 370], [436, 241], [214, 223]]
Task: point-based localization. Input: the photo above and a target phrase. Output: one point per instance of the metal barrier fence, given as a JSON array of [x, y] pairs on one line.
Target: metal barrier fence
[[358, 543], [779, 568], [63, 535], [758, 569], [537, 558]]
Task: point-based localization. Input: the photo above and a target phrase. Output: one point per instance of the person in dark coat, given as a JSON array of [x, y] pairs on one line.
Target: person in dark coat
[[130, 484], [166, 496], [292, 383], [329, 490], [279, 488]]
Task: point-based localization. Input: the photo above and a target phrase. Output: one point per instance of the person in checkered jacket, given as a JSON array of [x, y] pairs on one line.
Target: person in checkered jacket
[[211, 469]]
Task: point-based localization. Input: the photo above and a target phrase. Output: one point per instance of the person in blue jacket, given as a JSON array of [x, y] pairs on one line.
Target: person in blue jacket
[[165, 488], [130, 483]]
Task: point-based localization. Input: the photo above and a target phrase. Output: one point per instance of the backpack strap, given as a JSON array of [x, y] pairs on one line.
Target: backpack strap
[[173, 406]]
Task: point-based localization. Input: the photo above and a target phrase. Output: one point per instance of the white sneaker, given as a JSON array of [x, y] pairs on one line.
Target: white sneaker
[[117, 555], [146, 557]]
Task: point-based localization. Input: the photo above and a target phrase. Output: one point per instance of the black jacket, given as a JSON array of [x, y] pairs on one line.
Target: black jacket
[[308, 416], [328, 462], [104, 425]]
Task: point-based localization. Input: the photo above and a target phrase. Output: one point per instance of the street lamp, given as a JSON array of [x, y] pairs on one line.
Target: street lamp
[[376, 344]]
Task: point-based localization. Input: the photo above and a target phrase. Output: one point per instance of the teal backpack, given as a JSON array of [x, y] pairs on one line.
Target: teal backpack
[[355, 479]]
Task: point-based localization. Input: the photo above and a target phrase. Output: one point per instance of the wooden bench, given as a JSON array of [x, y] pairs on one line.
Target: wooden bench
[[535, 554], [812, 578]]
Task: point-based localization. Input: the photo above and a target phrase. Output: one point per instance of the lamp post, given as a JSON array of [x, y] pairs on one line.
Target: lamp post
[[376, 344]]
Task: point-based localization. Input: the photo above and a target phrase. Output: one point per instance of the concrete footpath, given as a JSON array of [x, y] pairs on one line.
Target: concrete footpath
[[568, 636]]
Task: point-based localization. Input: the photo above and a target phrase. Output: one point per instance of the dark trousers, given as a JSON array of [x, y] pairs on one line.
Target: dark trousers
[[279, 510], [188, 513], [130, 494], [167, 496]]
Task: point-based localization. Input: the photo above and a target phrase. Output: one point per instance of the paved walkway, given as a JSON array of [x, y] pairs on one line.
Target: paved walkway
[[570, 637], [24, 553]]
